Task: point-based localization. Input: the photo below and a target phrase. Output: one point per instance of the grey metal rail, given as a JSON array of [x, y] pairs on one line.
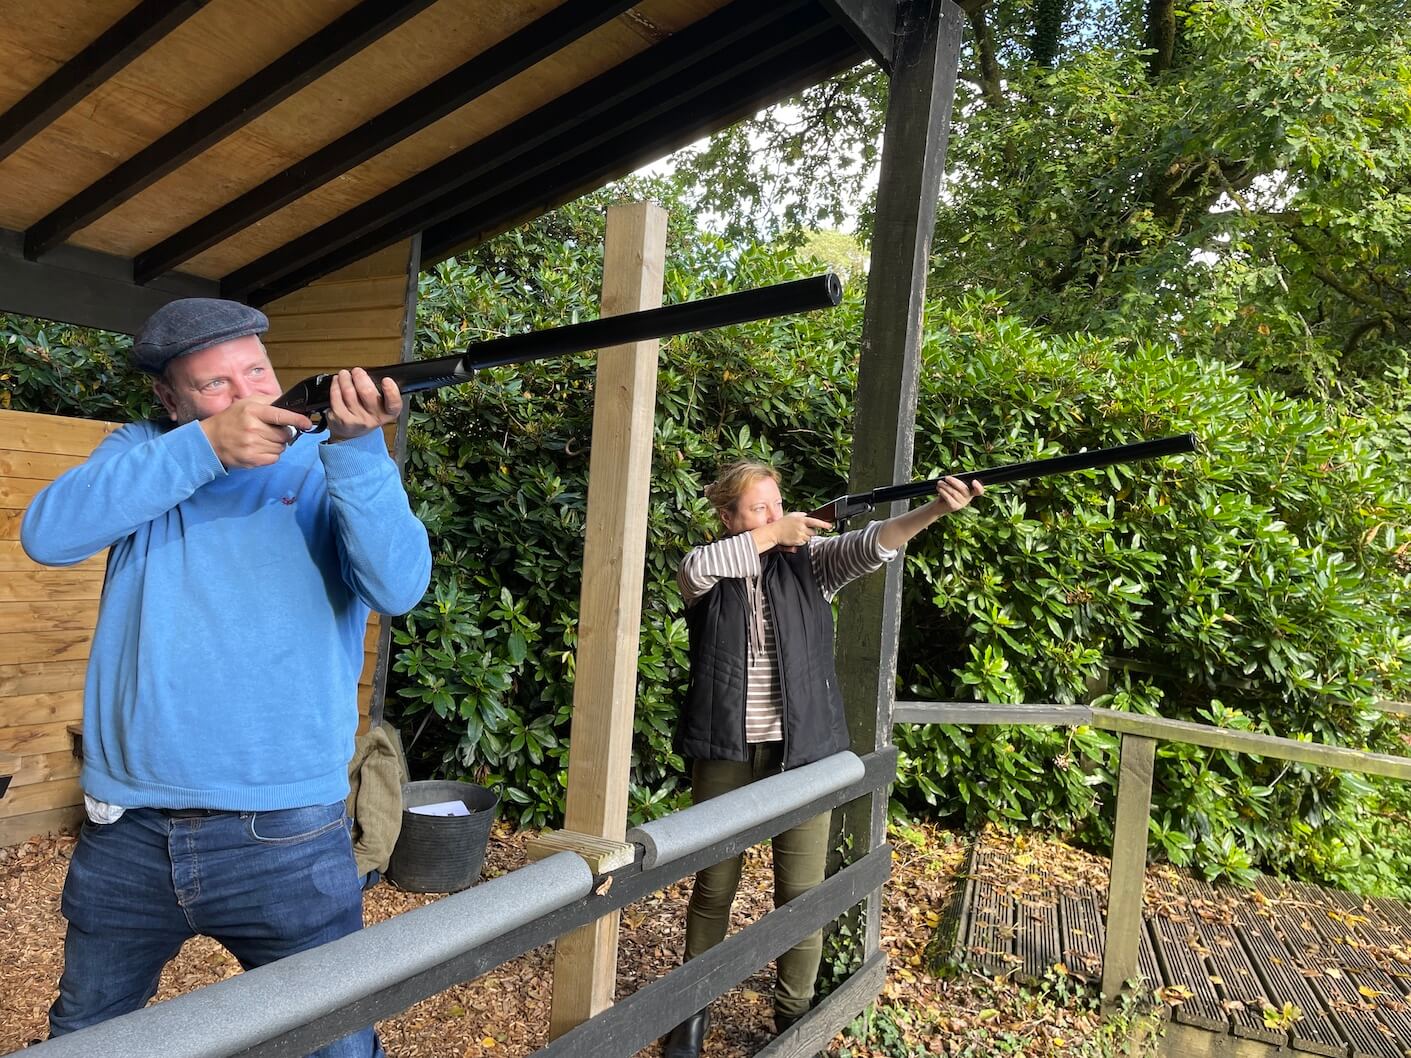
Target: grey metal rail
[[288, 1008], [242, 1012], [711, 822]]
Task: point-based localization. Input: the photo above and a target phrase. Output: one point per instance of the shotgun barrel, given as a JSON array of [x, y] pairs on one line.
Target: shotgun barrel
[[310, 396], [845, 507]]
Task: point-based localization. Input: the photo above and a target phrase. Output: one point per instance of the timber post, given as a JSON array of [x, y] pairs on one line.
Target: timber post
[[925, 62], [1127, 879], [610, 610]]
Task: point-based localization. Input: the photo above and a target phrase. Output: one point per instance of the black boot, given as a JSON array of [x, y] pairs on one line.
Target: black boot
[[686, 1039], [782, 1022]]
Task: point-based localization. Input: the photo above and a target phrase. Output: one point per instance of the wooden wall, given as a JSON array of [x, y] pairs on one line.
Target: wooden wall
[[364, 315], [46, 622]]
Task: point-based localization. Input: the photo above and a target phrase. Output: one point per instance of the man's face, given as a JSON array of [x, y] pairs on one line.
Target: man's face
[[200, 384], [760, 504]]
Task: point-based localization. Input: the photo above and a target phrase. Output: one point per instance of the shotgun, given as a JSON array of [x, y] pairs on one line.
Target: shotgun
[[310, 397], [845, 507]]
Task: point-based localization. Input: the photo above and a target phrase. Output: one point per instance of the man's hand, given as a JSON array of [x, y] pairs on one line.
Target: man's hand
[[791, 531], [251, 433], [356, 406]]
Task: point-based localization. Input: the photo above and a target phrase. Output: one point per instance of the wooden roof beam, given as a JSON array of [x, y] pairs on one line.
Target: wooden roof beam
[[300, 66], [623, 97], [813, 61], [562, 171], [872, 23], [115, 47], [473, 78]]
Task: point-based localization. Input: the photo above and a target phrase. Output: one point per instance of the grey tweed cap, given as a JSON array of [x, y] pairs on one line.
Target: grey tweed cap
[[189, 325]]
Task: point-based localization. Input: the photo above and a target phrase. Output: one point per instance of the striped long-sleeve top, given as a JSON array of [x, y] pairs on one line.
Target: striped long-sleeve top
[[835, 561]]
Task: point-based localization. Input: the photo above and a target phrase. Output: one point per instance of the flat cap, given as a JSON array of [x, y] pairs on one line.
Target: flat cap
[[189, 325]]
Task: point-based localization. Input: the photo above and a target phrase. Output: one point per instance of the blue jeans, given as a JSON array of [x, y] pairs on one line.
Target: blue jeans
[[264, 884]]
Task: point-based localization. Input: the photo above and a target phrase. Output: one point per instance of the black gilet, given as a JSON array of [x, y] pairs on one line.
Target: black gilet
[[712, 723]]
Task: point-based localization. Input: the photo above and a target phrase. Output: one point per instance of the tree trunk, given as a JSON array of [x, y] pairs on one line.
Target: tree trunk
[[1160, 36], [1048, 31]]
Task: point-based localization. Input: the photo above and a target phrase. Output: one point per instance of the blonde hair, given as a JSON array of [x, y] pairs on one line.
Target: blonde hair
[[734, 479]]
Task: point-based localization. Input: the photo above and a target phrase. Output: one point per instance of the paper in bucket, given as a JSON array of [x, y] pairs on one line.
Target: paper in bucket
[[442, 847]]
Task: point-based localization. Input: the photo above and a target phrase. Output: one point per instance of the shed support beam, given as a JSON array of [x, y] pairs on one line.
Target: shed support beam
[[469, 81], [86, 288], [610, 610], [918, 120], [300, 66], [873, 24], [578, 129]]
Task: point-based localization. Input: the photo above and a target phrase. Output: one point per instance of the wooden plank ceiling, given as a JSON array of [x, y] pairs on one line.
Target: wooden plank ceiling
[[252, 146]]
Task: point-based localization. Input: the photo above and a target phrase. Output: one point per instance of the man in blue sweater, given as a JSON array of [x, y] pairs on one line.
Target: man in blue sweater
[[221, 699]]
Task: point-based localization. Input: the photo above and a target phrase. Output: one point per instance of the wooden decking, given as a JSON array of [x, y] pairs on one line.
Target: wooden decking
[[1281, 968]]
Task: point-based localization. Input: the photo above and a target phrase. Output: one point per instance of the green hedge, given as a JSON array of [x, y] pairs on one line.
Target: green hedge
[[1262, 584], [58, 369]]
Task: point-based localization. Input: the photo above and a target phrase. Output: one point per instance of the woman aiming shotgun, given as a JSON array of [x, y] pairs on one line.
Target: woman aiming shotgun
[[763, 693]]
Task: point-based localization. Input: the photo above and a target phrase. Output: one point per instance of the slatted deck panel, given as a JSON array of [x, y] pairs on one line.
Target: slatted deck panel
[[1220, 956]]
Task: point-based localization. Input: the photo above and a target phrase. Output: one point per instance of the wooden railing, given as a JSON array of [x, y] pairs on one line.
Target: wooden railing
[[1139, 735]]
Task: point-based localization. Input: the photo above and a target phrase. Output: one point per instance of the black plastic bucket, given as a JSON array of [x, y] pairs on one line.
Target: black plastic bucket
[[441, 854]]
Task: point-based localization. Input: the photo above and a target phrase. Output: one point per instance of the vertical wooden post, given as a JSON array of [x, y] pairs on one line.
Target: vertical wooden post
[[610, 611], [1127, 880], [925, 61]]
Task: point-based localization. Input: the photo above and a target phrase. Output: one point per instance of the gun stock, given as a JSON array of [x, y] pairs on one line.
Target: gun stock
[[310, 396], [845, 507]]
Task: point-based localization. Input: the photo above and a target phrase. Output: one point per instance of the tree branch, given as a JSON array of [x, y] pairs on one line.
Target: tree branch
[[1383, 308], [1294, 226], [1364, 328], [985, 59]]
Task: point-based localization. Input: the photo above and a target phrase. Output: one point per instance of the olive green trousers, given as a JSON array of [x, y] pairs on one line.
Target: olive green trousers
[[800, 856]]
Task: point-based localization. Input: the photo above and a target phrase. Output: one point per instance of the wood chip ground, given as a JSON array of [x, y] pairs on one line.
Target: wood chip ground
[[504, 1013]]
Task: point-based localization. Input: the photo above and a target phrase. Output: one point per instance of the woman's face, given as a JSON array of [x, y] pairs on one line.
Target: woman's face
[[758, 505]]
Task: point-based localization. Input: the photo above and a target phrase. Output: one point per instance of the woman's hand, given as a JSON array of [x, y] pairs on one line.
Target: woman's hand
[[952, 494], [793, 530]]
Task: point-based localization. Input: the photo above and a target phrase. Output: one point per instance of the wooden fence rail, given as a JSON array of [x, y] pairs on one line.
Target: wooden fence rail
[[1139, 735]]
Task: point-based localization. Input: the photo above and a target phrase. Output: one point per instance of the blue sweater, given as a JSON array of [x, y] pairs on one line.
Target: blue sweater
[[224, 670]]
